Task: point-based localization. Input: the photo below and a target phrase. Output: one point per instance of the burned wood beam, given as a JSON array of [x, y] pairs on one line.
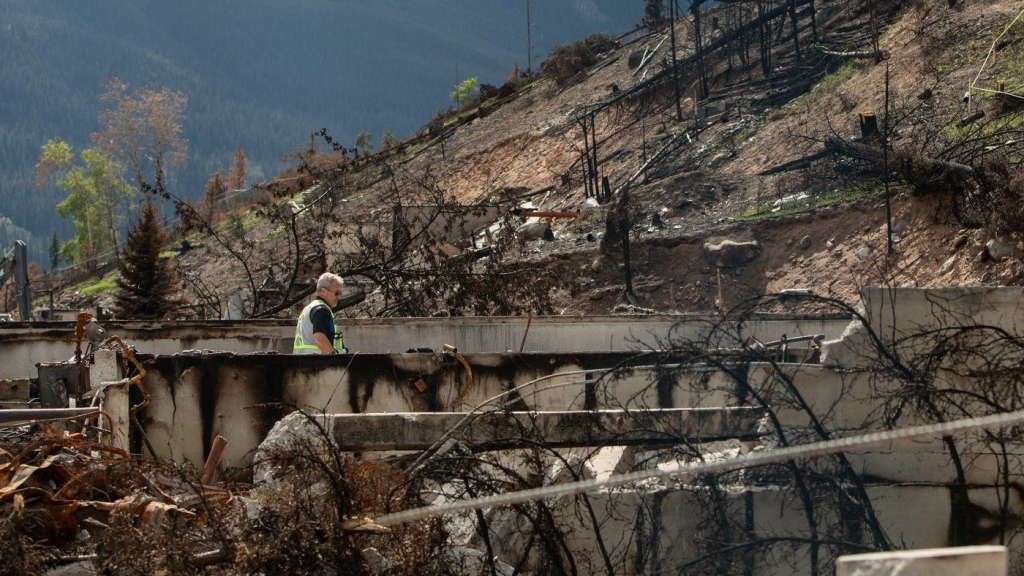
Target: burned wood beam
[[503, 430]]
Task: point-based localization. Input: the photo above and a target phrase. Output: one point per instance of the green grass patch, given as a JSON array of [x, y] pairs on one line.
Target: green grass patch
[[985, 128], [103, 286], [832, 80], [827, 84], [771, 209]]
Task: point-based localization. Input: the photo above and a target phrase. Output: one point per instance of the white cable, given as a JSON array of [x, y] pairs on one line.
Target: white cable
[[687, 470]]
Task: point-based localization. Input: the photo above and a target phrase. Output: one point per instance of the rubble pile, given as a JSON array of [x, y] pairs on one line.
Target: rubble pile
[[71, 504]]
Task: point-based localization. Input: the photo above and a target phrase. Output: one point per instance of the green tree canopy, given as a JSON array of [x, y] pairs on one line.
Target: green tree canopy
[[97, 197], [464, 91]]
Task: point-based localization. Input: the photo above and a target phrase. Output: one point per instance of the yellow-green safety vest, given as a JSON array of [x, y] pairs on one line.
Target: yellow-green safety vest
[[304, 343]]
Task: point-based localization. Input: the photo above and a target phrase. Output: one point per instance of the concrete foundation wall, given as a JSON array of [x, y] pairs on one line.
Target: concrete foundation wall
[[665, 531], [22, 345]]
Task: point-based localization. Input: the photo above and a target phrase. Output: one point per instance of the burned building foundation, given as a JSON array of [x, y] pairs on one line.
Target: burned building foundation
[[511, 420]]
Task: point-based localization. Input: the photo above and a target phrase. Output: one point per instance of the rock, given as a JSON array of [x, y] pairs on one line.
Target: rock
[[947, 265], [864, 253], [596, 295], [837, 253], [830, 245], [958, 243], [805, 243], [597, 265], [287, 436], [535, 231], [911, 284], [731, 254], [374, 561], [980, 235], [998, 251], [900, 226]]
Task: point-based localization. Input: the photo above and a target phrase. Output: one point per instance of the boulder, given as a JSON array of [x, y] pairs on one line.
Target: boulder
[[947, 265], [998, 251], [805, 243], [732, 254], [535, 231], [295, 433]]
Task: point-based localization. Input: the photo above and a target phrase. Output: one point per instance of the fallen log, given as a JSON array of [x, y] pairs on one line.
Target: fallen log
[[798, 164], [876, 156], [876, 55], [871, 154]]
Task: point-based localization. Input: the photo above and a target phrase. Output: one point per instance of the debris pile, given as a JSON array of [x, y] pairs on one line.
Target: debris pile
[[70, 503]]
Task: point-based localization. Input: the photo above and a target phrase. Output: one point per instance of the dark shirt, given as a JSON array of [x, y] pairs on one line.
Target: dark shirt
[[322, 320]]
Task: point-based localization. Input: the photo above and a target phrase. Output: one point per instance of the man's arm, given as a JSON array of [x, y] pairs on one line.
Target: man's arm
[[323, 343]]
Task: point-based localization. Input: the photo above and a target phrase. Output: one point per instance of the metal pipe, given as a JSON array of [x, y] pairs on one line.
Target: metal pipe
[[31, 414]]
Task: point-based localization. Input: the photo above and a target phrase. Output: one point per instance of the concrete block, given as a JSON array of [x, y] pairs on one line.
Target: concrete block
[[963, 561]]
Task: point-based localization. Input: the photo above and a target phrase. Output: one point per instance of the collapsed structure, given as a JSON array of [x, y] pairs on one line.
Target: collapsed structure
[[522, 403]]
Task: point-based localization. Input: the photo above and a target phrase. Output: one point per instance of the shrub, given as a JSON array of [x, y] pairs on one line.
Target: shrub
[[565, 62]]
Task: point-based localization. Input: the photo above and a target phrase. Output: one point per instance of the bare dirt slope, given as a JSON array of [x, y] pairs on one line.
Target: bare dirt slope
[[820, 226]]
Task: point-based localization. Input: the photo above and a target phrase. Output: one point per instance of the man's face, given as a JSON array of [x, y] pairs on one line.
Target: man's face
[[332, 294]]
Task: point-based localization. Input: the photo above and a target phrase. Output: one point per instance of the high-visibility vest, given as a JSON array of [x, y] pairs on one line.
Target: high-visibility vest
[[304, 343]]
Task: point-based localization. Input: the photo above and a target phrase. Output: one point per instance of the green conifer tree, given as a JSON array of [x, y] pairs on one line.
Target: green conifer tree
[[147, 283]]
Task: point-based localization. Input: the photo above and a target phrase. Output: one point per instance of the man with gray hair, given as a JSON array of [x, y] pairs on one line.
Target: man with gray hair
[[316, 332]]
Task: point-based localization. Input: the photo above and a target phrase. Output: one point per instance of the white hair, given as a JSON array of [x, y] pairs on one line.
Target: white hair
[[326, 279]]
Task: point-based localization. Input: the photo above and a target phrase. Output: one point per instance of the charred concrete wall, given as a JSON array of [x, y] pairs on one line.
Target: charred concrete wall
[[197, 397], [924, 494], [22, 345]]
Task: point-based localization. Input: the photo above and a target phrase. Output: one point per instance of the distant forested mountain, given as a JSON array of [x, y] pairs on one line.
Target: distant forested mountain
[[261, 74]]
